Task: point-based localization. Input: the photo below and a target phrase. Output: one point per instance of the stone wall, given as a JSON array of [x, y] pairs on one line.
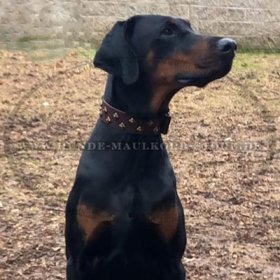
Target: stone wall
[[254, 23]]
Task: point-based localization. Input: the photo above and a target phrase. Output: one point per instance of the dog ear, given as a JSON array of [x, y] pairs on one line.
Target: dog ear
[[116, 55]]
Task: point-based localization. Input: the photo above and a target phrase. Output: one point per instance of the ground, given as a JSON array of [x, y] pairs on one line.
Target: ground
[[223, 143]]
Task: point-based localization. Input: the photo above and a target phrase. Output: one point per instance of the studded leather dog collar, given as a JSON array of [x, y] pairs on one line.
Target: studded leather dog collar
[[119, 119]]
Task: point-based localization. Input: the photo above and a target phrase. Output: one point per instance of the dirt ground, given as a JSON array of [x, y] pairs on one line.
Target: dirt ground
[[224, 143]]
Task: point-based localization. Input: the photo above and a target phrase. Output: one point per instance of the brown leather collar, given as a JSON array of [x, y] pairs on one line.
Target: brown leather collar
[[119, 119]]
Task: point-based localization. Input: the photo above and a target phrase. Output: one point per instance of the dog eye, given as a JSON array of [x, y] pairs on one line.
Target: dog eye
[[167, 31]]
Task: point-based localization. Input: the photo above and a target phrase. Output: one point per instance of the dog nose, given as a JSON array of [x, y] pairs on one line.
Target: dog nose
[[226, 45]]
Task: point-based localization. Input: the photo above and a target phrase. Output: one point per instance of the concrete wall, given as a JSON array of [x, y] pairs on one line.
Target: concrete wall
[[254, 23]]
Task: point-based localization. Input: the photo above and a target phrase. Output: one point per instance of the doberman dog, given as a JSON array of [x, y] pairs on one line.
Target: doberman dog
[[124, 219]]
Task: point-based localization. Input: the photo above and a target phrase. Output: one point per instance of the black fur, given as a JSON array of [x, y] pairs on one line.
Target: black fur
[[132, 184]]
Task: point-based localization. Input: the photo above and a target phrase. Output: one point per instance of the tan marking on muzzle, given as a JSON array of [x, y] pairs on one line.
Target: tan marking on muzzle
[[164, 78]]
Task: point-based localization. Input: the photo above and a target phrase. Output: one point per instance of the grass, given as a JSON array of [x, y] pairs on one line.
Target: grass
[[52, 54], [259, 51], [246, 59], [86, 53], [25, 39], [251, 60]]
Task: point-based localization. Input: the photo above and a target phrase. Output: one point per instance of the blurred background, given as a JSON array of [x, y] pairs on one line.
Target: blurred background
[[72, 23], [224, 140]]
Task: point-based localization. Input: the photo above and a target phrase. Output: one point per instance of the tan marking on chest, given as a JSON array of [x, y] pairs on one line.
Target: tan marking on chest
[[91, 221], [167, 221]]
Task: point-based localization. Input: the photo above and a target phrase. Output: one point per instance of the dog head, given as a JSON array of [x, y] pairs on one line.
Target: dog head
[[165, 54]]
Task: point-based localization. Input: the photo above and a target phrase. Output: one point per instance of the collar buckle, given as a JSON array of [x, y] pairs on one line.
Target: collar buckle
[[165, 123]]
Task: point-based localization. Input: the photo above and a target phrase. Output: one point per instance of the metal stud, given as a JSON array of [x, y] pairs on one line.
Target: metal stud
[[156, 130], [122, 125], [150, 123], [139, 128], [108, 119], [105, 109], [131, 120], [115, 115]]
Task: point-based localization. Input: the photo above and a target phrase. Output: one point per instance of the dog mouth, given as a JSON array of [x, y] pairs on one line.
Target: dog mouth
[[205, 76], [208, 70], [186, 80]]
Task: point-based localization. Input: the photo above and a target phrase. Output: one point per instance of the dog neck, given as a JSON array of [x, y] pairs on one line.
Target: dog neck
[[119, 119], [133, 99], [127, 107]]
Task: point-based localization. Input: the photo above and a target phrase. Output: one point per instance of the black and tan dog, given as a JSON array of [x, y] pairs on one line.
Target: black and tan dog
[[124, 220]]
